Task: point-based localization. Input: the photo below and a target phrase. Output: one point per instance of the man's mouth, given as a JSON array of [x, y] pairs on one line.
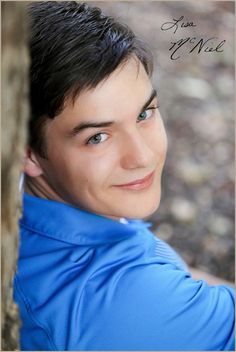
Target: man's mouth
[[139, 184]]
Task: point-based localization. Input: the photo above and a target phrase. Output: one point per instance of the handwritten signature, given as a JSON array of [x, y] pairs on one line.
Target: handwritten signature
[[193, 44], [176, 23], [202, 45]]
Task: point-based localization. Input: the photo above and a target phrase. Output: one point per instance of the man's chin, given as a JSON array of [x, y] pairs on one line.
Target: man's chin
[[143, 213], [133, 212]]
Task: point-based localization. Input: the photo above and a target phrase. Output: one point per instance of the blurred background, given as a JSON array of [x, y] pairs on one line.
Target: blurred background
[[196, 98]]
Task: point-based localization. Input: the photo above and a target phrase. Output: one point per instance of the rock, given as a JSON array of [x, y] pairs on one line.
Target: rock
[[219, 225], [164, 231], [193, 87], [183, 210], [193, 173], [204, 198]]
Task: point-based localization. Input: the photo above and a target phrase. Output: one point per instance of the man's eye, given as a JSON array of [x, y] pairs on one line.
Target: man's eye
[[97, 138], [146, 114]]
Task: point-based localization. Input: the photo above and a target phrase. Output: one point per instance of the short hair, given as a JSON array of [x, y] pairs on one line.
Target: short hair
[[73, 46]]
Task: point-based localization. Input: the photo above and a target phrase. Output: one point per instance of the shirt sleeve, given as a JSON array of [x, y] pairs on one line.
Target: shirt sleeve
[[159, 307]]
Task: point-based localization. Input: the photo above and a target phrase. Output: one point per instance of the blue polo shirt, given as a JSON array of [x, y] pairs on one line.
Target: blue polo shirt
[[86, 282]]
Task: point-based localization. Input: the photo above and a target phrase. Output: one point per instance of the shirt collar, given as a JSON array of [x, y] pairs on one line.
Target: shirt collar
[[73, 225]]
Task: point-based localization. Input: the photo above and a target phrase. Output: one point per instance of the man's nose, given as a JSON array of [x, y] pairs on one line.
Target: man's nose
[[136, 152]]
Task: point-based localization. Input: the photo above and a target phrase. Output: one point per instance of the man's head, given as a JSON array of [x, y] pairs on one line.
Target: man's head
[[73, 47], [96, 137]]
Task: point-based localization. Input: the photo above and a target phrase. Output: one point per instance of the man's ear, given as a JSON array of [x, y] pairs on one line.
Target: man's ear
[[31, 165]]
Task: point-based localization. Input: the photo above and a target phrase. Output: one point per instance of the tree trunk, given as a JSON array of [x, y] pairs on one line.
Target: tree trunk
[[15, 111]]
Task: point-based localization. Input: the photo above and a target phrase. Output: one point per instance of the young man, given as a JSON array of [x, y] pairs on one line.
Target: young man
[[90, 274]]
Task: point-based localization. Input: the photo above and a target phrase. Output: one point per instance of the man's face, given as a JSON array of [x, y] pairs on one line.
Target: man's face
[[113, 169]]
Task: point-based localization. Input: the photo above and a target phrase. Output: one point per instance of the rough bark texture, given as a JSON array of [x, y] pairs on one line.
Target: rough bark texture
[[15, 65]]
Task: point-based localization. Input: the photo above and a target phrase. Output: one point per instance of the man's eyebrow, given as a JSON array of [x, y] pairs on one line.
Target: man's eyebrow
[[84, 125], [150, 99]]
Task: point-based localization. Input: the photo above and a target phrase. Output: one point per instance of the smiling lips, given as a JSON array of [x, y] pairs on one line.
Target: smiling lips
[[139, 184]]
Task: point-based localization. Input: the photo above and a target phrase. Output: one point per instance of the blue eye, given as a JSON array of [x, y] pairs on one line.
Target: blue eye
[[97, 138], [146, 114]]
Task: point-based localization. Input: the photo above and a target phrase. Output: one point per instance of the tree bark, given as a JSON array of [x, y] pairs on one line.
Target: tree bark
[[15, 112]]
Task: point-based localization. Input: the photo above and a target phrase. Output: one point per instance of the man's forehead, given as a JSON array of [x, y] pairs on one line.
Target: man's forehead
[[124, 92], [129, 73]]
